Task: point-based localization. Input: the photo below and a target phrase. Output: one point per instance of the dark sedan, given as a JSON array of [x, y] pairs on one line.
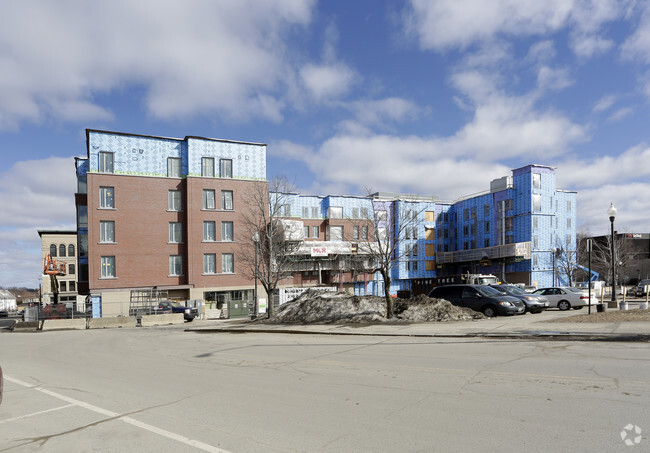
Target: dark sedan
[[534, 303], [482, 298], [175, 307]]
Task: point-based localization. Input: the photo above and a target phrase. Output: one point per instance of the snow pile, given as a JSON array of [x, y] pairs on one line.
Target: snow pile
[[328, 307]]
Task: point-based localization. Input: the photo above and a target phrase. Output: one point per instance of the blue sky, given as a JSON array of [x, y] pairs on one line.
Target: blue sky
[[427, 97]]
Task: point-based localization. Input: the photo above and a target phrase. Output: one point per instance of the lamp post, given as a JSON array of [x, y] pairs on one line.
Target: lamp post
[[553, 251], [256, 240], [611, 212]]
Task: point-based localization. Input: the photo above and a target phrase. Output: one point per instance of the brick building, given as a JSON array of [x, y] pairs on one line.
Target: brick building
[[165, 213], [62, 246]]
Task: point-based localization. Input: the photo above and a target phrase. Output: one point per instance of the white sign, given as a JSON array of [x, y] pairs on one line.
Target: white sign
[[319, 251]]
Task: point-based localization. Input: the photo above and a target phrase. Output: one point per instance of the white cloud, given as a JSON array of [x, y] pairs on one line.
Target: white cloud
[[447, 24], [637, 46], [327, 82], [553, 79], [605, 103], [192, 57], [35, 194]]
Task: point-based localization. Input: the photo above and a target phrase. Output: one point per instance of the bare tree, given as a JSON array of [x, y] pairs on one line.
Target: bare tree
[[268, 237], [602, 255], [391, 224]]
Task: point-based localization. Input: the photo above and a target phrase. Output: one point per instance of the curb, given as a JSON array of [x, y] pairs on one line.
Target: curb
[[550, 336]]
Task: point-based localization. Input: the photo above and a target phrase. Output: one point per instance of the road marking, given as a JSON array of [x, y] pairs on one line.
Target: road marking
[[35, 413], [126, 419]]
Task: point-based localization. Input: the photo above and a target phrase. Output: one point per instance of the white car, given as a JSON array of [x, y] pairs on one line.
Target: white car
[[565, 297]]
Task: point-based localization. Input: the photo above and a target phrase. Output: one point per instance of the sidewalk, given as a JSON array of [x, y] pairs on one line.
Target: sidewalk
[[537, 326]]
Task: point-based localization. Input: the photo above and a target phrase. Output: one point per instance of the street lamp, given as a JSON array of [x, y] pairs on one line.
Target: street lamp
[[256, 309], [611, 212], [553, 251]]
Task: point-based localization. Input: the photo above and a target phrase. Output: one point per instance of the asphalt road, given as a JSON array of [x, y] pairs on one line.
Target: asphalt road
[[166, 390]]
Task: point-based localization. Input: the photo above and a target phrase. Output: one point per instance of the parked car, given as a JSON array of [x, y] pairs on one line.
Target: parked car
[[534, 303], [175, 307], [481, 298], [640, 291], [565, 297]]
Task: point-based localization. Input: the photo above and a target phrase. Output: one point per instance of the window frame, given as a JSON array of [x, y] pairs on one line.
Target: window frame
[[225, 168], [106, 162], [175, 261], [107, 197], [175, 233], [206, 230], [207, 167], [210, 263], [227, 263], [224, 231], [174, 167], [227, 200], [209, 204], [106, 235], [108, 267], [172, 201]]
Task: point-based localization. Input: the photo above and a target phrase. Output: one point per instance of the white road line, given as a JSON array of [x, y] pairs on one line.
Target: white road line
[[34, 414], [129, 420]]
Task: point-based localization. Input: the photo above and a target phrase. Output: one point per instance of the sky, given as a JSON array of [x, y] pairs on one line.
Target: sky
[[431, 98]]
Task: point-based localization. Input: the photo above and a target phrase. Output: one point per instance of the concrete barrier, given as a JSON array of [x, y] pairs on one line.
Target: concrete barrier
[[112, 323], [26, 325], [64, 324], [161, 320]]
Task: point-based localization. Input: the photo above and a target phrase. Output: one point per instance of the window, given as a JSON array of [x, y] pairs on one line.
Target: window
[[72, 286], [227, 231], [306, 231], [53, 249], [227, 263], [82, 216], [71, 250], [62, 250], [537, 181], [335, 212], [486, 210], [285, 210], [63, 287], [315, 212], [174, 200], [414, 250], [106, 231], [486, 242], [568, 206], [335, 233], [209, 263], [535, 242], [173, 167], [355, 233], [207, 167], [106, 199], [487, 227], [465, 214], [175, 265], [364, 233], [208, 199], [429, 216], [382, 216], [535, 223], [209, 231], [108, 266], [226, 200], [175, 232], [473, 212], [381, 233], [355, 213], [105, 162], [364, 213], [314, 231], [305, 212], [537, 202], [71, 269], [568, 224], [225, 168]]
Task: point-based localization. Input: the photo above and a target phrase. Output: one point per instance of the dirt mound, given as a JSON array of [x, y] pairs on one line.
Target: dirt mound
[[329, 307]]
